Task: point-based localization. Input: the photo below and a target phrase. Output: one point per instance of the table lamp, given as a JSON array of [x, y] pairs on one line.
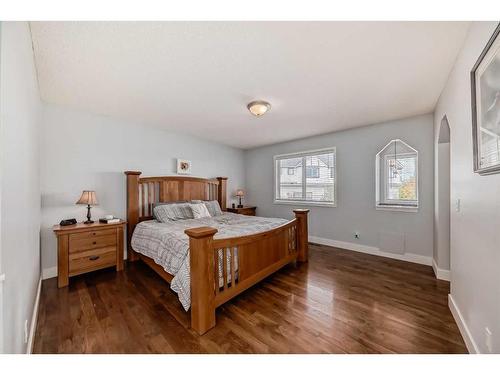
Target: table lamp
[[89, 198], [240, 193]]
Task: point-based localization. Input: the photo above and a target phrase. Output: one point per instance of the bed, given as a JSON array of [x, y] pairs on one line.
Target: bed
[[210, 260]]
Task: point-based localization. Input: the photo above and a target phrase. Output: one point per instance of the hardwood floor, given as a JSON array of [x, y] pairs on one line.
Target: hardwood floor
[[339, 302]]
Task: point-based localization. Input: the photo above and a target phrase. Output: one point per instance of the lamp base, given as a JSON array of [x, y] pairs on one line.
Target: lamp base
[[240, 206], [88, 216]]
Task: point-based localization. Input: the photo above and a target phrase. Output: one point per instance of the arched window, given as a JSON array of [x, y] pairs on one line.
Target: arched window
[[397, 177]]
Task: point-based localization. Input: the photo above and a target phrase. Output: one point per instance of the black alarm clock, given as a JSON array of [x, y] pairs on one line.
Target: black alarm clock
[[66, 222]]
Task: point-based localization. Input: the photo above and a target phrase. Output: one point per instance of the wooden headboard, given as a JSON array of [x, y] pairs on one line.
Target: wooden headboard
[[144, 192]]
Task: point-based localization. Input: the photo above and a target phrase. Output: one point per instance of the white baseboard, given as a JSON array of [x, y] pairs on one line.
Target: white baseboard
[[49, 273], [440, 273], [34, 319], [409, 257], [462, 326]]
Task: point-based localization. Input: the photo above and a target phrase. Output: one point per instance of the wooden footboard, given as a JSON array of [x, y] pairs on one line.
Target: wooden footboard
[[223, 268]]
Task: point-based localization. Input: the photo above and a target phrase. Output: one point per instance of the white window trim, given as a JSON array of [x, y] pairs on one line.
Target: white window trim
[[394, 205], [303, 202], [397, 208]]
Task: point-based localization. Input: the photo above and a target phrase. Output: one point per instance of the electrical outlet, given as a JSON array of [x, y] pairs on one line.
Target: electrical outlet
[[488, 338], [457, 205], [26, 331], [356, 235]]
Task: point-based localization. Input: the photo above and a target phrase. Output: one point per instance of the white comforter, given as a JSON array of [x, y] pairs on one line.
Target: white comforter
[[168, 245]]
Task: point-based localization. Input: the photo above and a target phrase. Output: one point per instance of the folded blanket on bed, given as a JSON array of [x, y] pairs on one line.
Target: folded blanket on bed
[[168, 245]]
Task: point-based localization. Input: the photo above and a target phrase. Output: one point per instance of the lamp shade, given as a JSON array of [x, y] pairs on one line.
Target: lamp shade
[[88, 197], [240, 193]]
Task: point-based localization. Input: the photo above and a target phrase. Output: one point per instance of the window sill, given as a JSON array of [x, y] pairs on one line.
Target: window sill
[[311, 204], [397, 208]]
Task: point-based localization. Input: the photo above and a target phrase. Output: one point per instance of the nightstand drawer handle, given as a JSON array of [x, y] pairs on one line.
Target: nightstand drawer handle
[[94, 257], [94, 243]]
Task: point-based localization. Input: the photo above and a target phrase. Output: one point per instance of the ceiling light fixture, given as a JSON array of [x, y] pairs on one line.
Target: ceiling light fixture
[[258, 107]]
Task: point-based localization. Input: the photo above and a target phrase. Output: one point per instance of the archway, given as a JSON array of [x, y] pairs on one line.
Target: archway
[[441, 262]]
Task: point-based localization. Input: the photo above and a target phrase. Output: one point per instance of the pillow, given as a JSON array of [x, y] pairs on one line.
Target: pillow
[[163, 204], [199, 210], [213, 207], [173, 212]]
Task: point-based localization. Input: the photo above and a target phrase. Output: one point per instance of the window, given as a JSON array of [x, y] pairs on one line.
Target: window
[[397, 177], [313, 179], [312, 171]]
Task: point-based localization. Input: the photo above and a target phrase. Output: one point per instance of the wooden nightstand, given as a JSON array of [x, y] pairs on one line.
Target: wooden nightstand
[[83, 248], [249, 211]]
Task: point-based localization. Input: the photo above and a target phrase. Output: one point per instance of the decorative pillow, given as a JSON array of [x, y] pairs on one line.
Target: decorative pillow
[[173, 212], [199, 210], [213, 208]]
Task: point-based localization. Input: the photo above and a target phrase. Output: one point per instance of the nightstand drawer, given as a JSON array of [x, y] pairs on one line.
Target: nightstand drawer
[[92, 260], [247, 211], [92, 234], [85, 241]]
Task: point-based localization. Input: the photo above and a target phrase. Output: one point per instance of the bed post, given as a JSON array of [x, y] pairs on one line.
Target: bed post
[[132, 210], [221, 193], [302, 232], [202, 265]]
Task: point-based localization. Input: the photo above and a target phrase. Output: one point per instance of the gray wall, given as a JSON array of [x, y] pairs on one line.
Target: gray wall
[[475, 235], [84, 151], [355, 211], [19, 182]]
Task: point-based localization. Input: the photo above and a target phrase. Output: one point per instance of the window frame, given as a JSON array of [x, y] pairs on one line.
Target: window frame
[[303, 201], [384, 204], [400, 202]]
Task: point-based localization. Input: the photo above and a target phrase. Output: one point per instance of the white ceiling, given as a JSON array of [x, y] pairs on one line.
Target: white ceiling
[[197, 77]]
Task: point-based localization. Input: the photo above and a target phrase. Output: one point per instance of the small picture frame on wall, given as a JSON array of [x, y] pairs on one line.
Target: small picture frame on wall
[[485, 86], [183, 166]]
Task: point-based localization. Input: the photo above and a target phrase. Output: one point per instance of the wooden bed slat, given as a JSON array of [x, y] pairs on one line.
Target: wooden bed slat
[[151, 199], [216, 270], [224, 269], [144, 202], [233, 266]]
